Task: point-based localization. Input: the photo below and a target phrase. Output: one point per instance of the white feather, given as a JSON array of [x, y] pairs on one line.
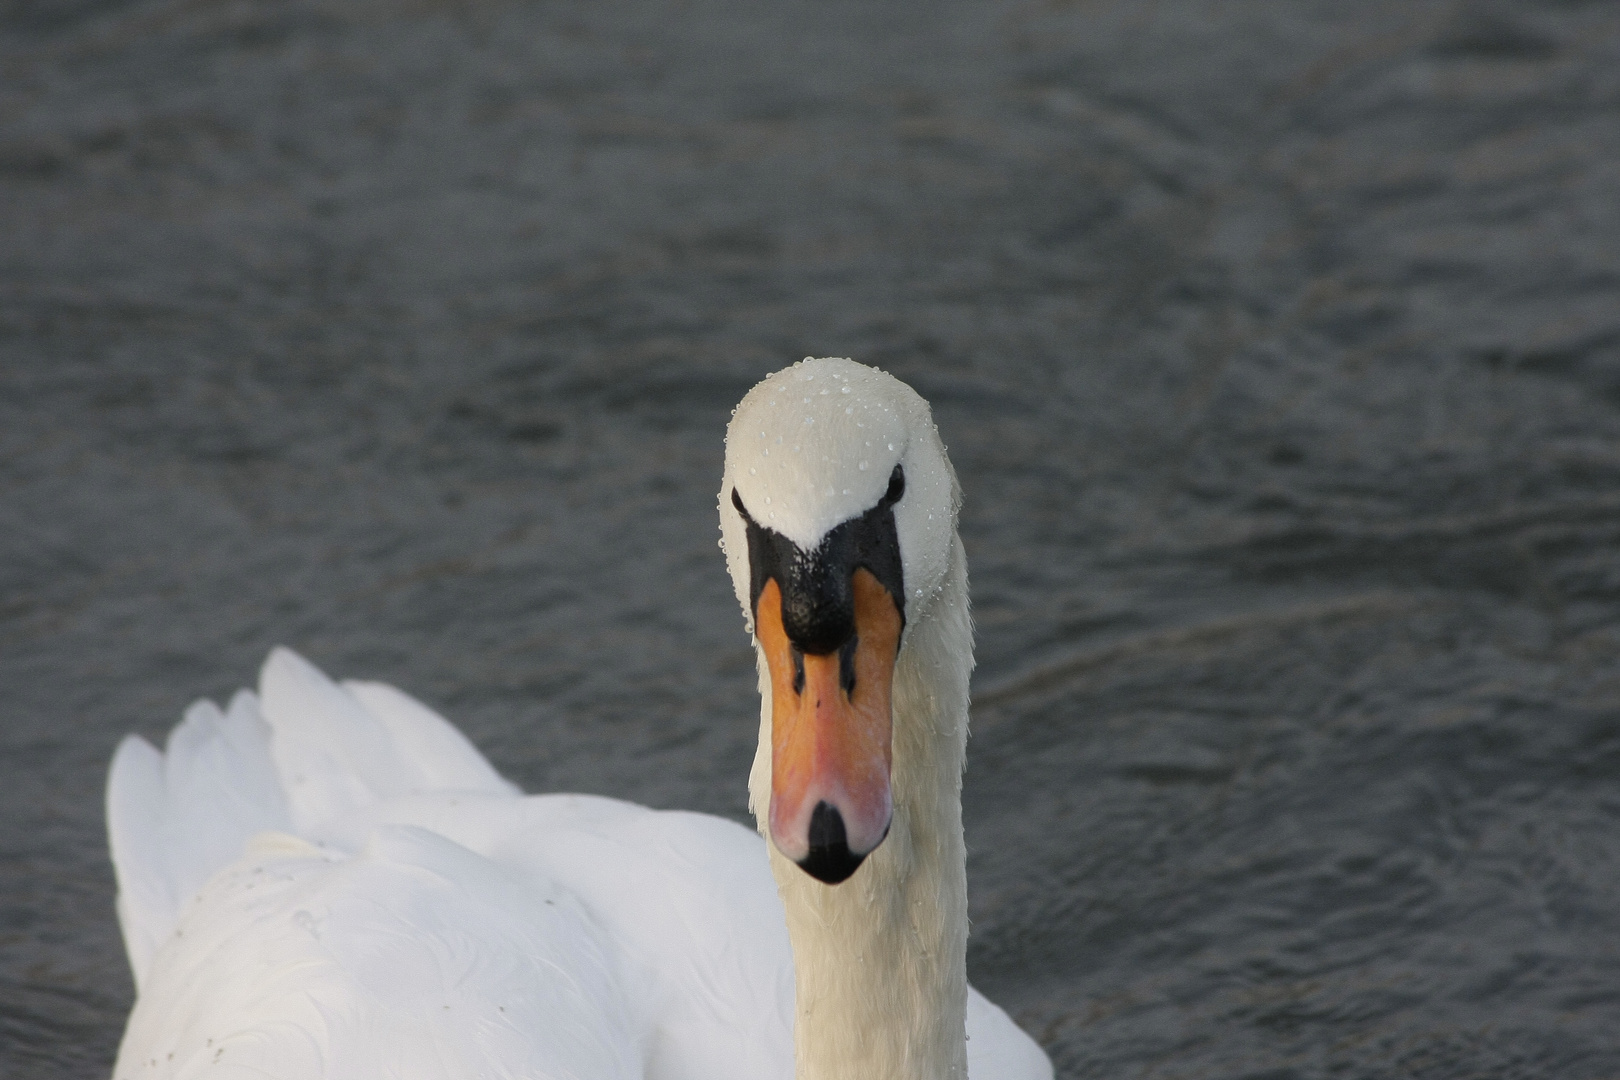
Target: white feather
[[173, 819]]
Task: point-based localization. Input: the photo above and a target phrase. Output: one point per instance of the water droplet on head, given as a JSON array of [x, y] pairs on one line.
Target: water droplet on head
[[863, 466], [809, 419], [843, 389], [751, 470], [891, 446]]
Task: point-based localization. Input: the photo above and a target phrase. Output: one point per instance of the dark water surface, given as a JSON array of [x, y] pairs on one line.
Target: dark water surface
[[1277, 345]]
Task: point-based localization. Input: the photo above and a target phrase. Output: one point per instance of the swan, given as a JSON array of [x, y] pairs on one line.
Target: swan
[[327, 880]]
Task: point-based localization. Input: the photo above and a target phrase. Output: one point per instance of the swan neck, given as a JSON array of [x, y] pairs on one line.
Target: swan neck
[[880, 960]]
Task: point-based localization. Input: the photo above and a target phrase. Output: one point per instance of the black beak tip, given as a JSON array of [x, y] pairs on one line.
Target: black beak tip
[[830, 859]]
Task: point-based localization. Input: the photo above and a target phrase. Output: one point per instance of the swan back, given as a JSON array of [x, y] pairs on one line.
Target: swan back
[[414, 958], [303, 755], [425, 921]]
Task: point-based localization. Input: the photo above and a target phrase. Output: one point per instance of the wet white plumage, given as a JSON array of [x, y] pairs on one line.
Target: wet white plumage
[[330, 881]]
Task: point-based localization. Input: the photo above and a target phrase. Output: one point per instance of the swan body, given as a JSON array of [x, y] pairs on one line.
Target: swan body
[[328, 880]]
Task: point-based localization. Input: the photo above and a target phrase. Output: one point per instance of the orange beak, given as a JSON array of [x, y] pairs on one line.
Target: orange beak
[[831, 733]]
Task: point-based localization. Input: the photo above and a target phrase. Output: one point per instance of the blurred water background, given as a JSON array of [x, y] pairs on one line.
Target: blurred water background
[[1277, 344]]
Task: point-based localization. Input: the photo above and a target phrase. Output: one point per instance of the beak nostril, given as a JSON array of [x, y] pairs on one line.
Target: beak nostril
[[846, 666], [798, 669]]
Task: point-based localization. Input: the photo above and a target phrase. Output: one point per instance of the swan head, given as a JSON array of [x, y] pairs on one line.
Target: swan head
[[838, 518]]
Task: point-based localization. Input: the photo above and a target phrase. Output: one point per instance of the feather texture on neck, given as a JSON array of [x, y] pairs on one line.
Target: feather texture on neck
[[880, 960]]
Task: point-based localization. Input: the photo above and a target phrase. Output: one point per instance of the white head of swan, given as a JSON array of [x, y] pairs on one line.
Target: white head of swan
[[838, 517]]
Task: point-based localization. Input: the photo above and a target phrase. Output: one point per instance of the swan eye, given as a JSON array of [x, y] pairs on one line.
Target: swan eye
[[897, 486]]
